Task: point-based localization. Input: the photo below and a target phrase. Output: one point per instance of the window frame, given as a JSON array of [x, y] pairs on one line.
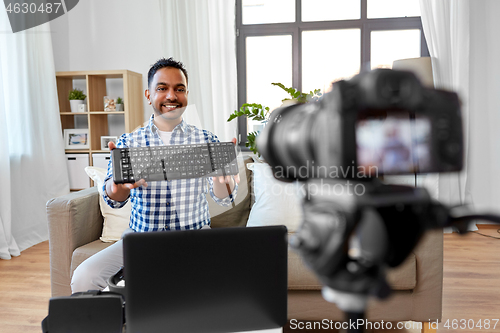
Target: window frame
[[296, 28]]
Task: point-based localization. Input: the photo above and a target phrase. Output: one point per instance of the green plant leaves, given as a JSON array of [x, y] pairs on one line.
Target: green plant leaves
[[258, 112], [251, 137], [252, 111], [76, 94], [299, 96]]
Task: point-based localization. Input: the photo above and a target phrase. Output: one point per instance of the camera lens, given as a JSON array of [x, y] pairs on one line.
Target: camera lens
[[302, 140], [287, 142]]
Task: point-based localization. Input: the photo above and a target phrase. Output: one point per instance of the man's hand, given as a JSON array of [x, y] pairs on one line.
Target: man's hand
[[227, 179], [223, 186], [120, 192]]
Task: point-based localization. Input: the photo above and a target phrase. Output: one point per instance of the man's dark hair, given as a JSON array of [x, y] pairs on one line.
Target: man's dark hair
[[162, 63]]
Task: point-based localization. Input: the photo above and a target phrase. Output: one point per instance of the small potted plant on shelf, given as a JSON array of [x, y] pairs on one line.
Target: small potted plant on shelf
[[76, 97], [119, 104], [261, 113]]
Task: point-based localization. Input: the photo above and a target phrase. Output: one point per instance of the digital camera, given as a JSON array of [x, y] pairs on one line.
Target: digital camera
[[382, 122]]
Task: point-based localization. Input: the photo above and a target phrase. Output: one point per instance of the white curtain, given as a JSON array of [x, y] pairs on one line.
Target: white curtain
[[485, 104], [8, 245], [32, 164], [201, 34], [446, 29]]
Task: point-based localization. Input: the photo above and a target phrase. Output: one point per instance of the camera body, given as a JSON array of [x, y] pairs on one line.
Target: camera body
[[382, 122]]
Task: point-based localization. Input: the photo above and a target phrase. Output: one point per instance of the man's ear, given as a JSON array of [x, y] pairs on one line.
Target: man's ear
[[146, 93]]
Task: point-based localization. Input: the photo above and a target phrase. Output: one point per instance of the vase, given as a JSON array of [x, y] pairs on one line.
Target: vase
[[73, 103]]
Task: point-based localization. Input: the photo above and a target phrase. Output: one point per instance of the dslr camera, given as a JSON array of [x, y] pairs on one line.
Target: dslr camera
[[382, 122]]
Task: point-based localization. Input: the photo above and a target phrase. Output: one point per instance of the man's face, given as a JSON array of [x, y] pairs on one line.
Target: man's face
[[168, 93]]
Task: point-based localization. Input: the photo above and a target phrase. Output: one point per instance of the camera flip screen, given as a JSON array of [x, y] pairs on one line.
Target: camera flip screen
[[394, 145]]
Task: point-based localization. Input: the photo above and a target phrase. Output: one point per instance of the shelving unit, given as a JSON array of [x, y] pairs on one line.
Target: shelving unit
[[94, 84]]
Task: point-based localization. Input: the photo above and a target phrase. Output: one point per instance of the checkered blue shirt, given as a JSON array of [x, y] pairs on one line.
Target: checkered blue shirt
[[174, 204]]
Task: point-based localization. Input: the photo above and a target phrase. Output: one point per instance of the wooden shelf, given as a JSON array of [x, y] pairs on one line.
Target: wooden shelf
[[91, 112], [73, 113], [96, 118], [77, 151], [86, 151], [107, 112]]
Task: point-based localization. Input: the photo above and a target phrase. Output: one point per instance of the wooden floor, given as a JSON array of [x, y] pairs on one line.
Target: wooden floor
[[25, 290], [471, 285]]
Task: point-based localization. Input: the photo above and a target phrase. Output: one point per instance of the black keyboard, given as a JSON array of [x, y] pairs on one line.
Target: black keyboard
[[174, 162]]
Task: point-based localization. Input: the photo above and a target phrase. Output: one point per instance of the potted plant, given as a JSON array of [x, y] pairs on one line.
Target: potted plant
[[76, 97], [261, 113], [119, 104]]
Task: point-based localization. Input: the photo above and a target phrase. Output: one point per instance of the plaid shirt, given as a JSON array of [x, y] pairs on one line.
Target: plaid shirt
[[174, 204]]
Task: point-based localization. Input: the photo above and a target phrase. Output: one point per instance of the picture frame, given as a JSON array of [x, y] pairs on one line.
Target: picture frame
[[76, 138], [105, 141], [109, 103]]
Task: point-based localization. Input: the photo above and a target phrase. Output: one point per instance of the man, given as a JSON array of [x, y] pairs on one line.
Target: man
[[159, 205]]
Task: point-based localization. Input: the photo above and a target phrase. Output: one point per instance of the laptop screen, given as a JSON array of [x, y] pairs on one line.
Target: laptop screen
[[213, 280]]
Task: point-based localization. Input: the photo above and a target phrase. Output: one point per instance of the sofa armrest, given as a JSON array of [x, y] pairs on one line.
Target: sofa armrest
[[427, 296], [74, 220], [424, 302]]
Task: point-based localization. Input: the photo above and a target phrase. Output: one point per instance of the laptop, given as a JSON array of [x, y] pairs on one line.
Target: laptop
[[210, 280]]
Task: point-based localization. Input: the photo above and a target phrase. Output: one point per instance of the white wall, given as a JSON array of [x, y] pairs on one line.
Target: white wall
[[111, 34]]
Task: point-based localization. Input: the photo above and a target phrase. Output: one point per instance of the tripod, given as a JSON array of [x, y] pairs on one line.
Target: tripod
[[349, 239]]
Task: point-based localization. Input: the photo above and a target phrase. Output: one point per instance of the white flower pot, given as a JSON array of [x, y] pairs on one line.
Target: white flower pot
[[74, 104]]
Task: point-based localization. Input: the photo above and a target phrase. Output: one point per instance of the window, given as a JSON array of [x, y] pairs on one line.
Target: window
[[308, 44]]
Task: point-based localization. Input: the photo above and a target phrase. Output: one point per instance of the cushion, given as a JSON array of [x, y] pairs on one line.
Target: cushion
[[276, 202], [300, 277], [255, 159], [116, 220], [404, 277], [84, 252], [237, 216]]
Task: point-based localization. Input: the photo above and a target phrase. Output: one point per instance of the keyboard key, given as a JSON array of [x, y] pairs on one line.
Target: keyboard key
[[156, 177], [173, 175]]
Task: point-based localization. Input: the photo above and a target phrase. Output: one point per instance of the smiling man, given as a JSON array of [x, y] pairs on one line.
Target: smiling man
[[158, 205], [167, 93]]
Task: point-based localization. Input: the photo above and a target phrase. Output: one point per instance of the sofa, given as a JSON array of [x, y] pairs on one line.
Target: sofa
[[76, 220]]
